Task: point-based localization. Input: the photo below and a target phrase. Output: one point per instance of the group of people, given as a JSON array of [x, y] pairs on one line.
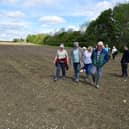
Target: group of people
[[90, 59], [112, 52]]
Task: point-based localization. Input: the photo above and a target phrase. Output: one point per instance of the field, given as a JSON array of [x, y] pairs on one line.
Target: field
[[30, 99]]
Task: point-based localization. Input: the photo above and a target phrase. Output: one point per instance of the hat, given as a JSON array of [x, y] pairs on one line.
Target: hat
[[84, 48], [100, 43], [61, 45]]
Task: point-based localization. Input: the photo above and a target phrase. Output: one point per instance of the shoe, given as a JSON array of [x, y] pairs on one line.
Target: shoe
[[64, 78], [97, 86], [55, 79], [76, 80]]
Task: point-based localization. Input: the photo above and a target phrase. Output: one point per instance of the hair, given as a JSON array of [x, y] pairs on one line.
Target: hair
[[89, 48], [125, 47], [76, 44], [100, 43]]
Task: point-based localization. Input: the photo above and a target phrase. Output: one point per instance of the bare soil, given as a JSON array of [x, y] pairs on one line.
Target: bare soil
[[30, 99]]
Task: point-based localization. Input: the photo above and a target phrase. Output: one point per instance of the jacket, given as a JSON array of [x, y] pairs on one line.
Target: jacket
[[125, 57], [103, 58], [80, 55]]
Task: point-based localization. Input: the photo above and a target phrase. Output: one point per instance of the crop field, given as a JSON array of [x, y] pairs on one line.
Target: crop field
[[30, 99]]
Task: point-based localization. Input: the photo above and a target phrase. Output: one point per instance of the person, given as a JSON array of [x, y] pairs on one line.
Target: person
[[108, 49], [124, 62], [84, 49], [87, 62], [76, 59], [82, 69], [114, 52], [99, 58], [61, 61]]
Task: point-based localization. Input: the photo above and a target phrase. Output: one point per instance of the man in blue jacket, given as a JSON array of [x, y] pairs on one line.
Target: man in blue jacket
[[99, 58], [124, 62]]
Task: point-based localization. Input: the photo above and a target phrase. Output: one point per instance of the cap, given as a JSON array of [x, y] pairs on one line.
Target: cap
[[61, 45]]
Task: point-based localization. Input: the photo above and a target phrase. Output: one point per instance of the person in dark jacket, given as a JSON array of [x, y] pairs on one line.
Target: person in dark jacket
[[99, 58], [124, 62]]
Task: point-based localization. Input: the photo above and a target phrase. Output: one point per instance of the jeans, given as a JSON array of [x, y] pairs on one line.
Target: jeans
[[124, 68], [77, 70], [88, 69], [97, 75], [60, 66]]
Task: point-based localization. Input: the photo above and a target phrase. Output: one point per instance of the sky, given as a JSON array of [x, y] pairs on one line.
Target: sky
[[18, 18]]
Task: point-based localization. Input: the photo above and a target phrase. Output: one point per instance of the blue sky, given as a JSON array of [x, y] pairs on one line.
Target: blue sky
[[18, 18]]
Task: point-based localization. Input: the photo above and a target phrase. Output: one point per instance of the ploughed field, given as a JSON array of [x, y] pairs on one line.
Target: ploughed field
[[30, 99]]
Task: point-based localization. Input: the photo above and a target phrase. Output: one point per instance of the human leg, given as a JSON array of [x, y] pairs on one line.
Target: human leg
[[58, 67]]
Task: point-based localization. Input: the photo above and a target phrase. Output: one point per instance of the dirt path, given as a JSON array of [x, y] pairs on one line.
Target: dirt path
[[29, 99]]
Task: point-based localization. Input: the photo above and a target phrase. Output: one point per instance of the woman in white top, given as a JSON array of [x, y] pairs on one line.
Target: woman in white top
[[61, 61], [114, 52], [87, 61]]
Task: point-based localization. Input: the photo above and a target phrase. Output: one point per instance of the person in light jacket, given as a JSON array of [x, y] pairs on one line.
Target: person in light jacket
[[76, 58]]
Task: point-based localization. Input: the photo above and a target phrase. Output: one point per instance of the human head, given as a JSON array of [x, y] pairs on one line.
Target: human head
[[100, 45], [84, 48], [114, 47], [61, 46], [125, 48], [76, 44], [106, 45], [90, 49]]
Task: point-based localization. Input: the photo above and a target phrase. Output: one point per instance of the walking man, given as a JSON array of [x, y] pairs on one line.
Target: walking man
[[99, 58], [124, 62]]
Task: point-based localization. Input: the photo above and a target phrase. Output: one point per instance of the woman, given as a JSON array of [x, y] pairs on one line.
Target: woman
[[87, 61], [61, 61], [76, 57], [114, 52]]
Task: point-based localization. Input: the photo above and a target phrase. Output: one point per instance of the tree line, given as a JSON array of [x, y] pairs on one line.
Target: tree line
[[112, 27]]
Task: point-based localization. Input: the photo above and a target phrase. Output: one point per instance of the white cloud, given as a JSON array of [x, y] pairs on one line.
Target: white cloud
[[11, 15], [15, 14], [13, 25], [92, 12], [52, 20], [101, 6], [10, 30], [30, 3], [8, 1], [72, 27], [11, 34]]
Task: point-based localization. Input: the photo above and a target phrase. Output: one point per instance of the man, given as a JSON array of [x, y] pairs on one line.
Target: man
[[99, 58], [76, 57], [124, 62]]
